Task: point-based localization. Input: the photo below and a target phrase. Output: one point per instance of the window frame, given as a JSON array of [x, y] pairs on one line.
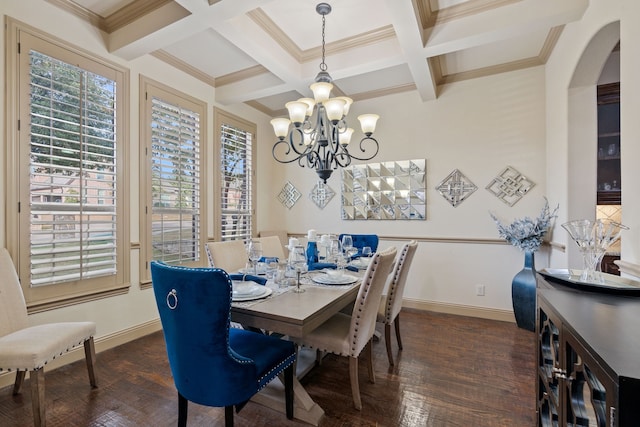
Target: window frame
[[20, 38], [148, 89], [221, 117]]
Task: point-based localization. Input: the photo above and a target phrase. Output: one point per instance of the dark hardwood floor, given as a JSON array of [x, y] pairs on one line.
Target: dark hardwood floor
[[453, 371]]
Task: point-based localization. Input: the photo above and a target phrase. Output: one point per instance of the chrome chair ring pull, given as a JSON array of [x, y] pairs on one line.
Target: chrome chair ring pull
[[172, 299]]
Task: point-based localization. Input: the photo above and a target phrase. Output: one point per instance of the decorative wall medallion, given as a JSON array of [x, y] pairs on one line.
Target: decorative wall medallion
[[321, 194], [510, 185], [456, 187], [289, 195], [385, 190]]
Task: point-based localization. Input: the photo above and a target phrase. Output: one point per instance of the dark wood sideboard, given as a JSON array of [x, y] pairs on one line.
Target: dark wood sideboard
[[588, 361]]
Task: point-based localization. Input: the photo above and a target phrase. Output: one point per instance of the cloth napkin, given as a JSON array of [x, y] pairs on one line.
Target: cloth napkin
[[322, 265], [245, 277]]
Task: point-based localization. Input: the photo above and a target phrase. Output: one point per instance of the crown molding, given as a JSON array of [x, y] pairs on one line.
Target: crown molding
[[132, 12], [430, 18], [183, 66], [520, 64], [383, 92], [237, 76], [263, 109], [288, 45], [81, 12], [550, 43], [118, 19]]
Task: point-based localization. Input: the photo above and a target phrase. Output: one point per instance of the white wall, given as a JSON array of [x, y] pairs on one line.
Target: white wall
[[479, 127]]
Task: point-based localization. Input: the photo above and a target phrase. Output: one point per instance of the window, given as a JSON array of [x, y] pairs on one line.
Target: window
[[237, 138], [69, 142], [174, 196]]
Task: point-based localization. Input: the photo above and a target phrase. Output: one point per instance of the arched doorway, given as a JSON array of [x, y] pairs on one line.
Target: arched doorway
[[582, 129]]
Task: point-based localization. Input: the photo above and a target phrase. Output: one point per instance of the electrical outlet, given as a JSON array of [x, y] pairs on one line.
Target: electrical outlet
[[480, 290]]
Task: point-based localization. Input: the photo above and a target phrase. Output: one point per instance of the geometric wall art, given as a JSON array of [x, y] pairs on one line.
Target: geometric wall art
[[321, 194], [510, 186], [456, 187], [393, 190], [289, 195]]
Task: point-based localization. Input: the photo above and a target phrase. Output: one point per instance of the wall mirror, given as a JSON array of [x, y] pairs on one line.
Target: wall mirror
[[385, 190]]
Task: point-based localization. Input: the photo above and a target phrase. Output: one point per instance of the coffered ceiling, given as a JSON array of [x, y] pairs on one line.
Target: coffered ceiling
[[267, 52]]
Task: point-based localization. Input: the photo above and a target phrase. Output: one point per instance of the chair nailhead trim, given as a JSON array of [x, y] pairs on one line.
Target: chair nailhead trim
[[279, 367]]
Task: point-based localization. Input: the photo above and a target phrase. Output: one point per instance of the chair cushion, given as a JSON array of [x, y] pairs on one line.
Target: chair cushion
[[31, 348], [270, 354], [332, 336]]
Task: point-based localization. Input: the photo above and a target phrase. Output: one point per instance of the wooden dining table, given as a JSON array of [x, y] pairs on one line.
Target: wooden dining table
[[295, 314]]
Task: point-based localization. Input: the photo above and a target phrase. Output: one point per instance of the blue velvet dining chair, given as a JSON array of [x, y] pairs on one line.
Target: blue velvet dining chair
[[212, 364], [362, 240]]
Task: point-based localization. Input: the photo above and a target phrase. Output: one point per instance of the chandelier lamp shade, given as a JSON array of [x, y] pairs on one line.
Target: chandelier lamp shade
[[316, 134]]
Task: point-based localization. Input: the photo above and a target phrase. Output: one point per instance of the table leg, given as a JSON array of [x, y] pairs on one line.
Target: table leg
[[304, 408]]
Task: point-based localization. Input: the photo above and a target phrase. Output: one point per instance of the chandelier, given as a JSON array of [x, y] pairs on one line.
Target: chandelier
[[316, 132]]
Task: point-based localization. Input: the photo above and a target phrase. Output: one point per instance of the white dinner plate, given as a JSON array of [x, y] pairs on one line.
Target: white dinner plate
[[246, 288], [360, 263], [325, 279], [263, 292]]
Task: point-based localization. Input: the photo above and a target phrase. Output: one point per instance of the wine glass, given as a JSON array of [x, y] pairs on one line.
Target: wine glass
[[347, 246], [366, 251], [298, 261], [335, 250], [254, 252]]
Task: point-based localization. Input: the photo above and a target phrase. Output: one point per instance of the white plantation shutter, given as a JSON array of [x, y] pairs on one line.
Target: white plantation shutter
[[72, 180], [175, 183], [236, 178]]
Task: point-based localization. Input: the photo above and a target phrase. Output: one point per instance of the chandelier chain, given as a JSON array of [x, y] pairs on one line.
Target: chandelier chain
[[320, 137], [323, 66]]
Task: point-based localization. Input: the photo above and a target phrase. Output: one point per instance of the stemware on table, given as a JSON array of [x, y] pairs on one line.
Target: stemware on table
[[298, 261], [254, 252], [593, 239], [347, 246]]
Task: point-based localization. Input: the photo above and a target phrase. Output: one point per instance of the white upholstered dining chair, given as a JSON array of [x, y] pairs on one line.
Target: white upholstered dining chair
[[28, 348], [229, 255], [391, 304], [272, 247], [348, 336]]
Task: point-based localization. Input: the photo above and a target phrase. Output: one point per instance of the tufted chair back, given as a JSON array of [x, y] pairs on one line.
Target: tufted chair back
[[365, 309], [389, 310], [211, 364], [230, 255], [13, 315]]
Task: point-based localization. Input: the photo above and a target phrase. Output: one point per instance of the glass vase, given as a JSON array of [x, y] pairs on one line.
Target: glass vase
[[593, 239]]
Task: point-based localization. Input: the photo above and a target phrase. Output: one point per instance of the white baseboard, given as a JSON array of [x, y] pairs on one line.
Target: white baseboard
[[102, 343], [460, 310]]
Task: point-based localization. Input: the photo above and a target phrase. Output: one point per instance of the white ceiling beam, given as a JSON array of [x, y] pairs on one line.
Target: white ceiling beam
[[174, 21], [249, 37], [407, 27], [502, 23]]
